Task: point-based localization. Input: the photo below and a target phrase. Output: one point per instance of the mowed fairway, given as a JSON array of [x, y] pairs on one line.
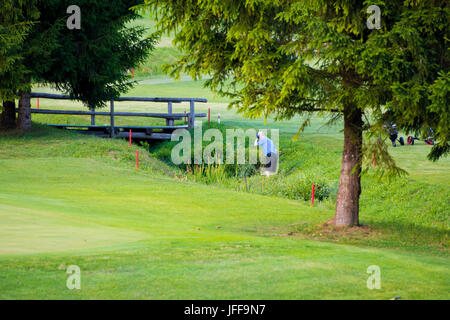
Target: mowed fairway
[[67, 200]]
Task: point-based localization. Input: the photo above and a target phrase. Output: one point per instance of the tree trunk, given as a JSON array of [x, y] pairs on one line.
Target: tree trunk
[[24, 117], [8, 116], [347, 203]]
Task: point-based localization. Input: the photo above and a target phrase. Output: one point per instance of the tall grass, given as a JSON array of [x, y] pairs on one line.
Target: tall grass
[[290, 182], [207, 173]]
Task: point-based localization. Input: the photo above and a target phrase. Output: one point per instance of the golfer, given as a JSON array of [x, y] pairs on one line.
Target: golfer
[[392, 131], [270, 152]]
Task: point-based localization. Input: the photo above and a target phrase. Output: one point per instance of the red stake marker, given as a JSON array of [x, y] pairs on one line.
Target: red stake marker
[[137, 159], [373, 164], [132, 72], [38, 103], [184, 116], [313, 191], [130, 137]]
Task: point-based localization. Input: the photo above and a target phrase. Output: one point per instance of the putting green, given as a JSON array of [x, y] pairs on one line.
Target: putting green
[[24, 231]]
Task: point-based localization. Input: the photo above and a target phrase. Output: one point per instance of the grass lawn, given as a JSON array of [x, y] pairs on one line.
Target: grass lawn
[[67, 199], [153, 233]]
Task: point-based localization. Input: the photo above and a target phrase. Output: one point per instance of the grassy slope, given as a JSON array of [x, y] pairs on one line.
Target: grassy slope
[[66, 199], [411, 212]]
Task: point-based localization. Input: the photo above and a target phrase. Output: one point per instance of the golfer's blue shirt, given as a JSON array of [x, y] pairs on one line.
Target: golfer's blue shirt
[[267, 145]]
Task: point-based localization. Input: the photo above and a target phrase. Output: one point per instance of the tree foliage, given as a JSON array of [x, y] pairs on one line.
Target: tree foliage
[[90, 64], [16, 20]]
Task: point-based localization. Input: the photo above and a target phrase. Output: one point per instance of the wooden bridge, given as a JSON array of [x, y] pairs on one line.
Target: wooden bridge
[[162, 132]]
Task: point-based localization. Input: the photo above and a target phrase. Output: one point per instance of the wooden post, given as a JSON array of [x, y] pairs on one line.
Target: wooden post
[[92, 116], [191, 118], [169, 122], [112, 119]]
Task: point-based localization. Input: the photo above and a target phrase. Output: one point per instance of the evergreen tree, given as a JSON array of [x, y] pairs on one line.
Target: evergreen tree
[[89, 63], [289, 57], [16, 19]]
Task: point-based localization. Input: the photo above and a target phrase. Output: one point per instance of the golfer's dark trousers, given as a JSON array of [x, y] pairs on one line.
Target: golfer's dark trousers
[[269, 163], [393, 137], [272, 163]]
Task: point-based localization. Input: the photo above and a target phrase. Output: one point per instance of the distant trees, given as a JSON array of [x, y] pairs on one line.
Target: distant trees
[[297, 57], [88, 63]]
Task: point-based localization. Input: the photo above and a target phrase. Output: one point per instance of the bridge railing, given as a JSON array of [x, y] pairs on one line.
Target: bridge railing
[[169, 116]]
